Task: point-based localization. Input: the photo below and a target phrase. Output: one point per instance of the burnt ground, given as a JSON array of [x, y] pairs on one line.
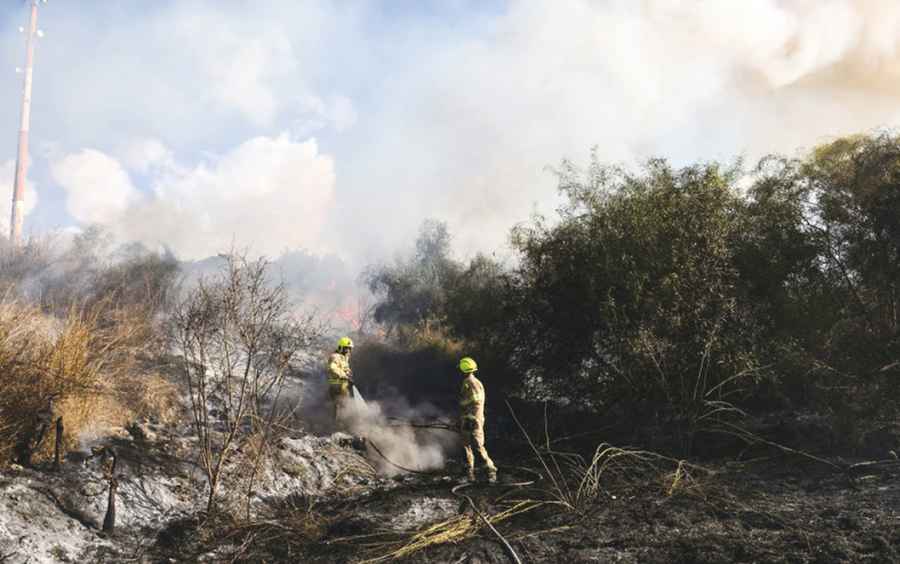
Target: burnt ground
[[776, 508], [763, 504], [772, 510]]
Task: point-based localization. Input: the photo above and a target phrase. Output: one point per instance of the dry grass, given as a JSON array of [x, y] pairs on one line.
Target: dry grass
[[450, 531], [151, 397], [573, 482], [84, 363]]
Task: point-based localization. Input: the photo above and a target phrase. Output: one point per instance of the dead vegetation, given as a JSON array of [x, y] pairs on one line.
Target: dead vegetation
[[452, 530], [80, 368], [79, 340], [236, 336]]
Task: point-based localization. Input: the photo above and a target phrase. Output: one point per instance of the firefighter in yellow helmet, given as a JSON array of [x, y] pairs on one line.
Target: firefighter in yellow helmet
[[340, 377], [471, 406]]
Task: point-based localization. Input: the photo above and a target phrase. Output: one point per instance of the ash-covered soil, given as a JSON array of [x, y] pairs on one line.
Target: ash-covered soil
[[320, 502], [776, 509], [773, 510]]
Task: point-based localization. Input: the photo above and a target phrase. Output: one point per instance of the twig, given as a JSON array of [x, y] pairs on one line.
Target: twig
[[509, 548], [873, 464], [542, 532], [561, 494], [754, 438]]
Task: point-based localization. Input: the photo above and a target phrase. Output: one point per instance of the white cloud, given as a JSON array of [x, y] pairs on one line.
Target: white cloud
[[142, 155], [98, 189], [7, 182], [268, 194]]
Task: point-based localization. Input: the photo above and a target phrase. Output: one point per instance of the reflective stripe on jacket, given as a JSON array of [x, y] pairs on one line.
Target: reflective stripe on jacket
[[471, 399], [338, 369]]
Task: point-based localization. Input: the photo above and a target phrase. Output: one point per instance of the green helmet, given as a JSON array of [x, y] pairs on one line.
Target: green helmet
[[467, 365], [345, 343]]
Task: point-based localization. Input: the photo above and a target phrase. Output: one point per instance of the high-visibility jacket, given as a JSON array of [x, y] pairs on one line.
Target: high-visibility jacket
[[338, 369], [471, 399]]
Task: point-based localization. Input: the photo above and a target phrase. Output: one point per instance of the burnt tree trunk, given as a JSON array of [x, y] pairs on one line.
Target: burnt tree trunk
[[57, 451], [33, 434], [109, 521]]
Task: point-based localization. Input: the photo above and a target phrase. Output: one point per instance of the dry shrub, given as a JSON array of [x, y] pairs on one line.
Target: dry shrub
[[613, 466], [81, 367], [151, 396], [87, 417], [575, 483]]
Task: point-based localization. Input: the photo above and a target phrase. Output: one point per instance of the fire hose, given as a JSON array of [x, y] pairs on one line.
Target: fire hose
[[456, 491]]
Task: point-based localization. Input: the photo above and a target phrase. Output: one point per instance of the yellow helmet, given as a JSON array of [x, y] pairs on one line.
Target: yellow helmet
[[467, 365], [345, 343]]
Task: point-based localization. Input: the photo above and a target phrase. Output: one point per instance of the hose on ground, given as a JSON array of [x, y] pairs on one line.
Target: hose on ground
[[456, 490]]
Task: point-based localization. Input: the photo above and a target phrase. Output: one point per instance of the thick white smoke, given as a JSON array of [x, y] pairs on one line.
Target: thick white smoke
[[453, 116], [269, 194], [400, 444], [399, 447], [98, 187], [680, 79]]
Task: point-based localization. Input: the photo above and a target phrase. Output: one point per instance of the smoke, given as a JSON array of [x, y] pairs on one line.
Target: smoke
[[401, 446], [452, 112], [686, 80], [383, 421], [7, 183], [98, 187], [269, 194]]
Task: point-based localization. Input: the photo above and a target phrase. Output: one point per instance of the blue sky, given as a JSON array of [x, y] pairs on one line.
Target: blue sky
[[338, 126]]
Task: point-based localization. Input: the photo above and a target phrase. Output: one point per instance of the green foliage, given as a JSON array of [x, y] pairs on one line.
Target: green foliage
[[684, 294], [849, 194], [413, 291], [633, 294]]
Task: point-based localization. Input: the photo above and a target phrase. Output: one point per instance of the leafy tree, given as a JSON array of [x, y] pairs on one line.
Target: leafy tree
[[848, 193], [679, 295], [634, 291], [412, 292]]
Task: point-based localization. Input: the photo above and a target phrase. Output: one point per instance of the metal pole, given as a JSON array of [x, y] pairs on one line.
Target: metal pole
[[18, 201]]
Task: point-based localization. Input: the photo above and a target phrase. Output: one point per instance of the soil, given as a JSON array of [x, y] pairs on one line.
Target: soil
[[776, 508], [771, 510], [773, 507]]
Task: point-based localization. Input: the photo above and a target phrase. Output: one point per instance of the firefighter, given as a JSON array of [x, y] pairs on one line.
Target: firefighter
[[340, 378], [471, 405]]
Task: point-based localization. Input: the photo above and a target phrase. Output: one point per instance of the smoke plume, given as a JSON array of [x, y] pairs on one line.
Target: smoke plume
[[383, 421], [398, 446], [337, 127], [269, 194]]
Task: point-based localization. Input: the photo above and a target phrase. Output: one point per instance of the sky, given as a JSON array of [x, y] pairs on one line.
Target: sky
[[336, 127]]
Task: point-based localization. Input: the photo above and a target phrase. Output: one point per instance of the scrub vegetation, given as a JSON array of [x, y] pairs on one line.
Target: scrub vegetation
[[683, 297], [692, 364]]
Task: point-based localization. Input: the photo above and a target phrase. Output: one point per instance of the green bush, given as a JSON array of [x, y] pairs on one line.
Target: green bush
[[683, 294]]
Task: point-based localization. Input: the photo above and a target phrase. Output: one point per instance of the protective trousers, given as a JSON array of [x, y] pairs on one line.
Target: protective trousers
[[473, 441], [340, 399]]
